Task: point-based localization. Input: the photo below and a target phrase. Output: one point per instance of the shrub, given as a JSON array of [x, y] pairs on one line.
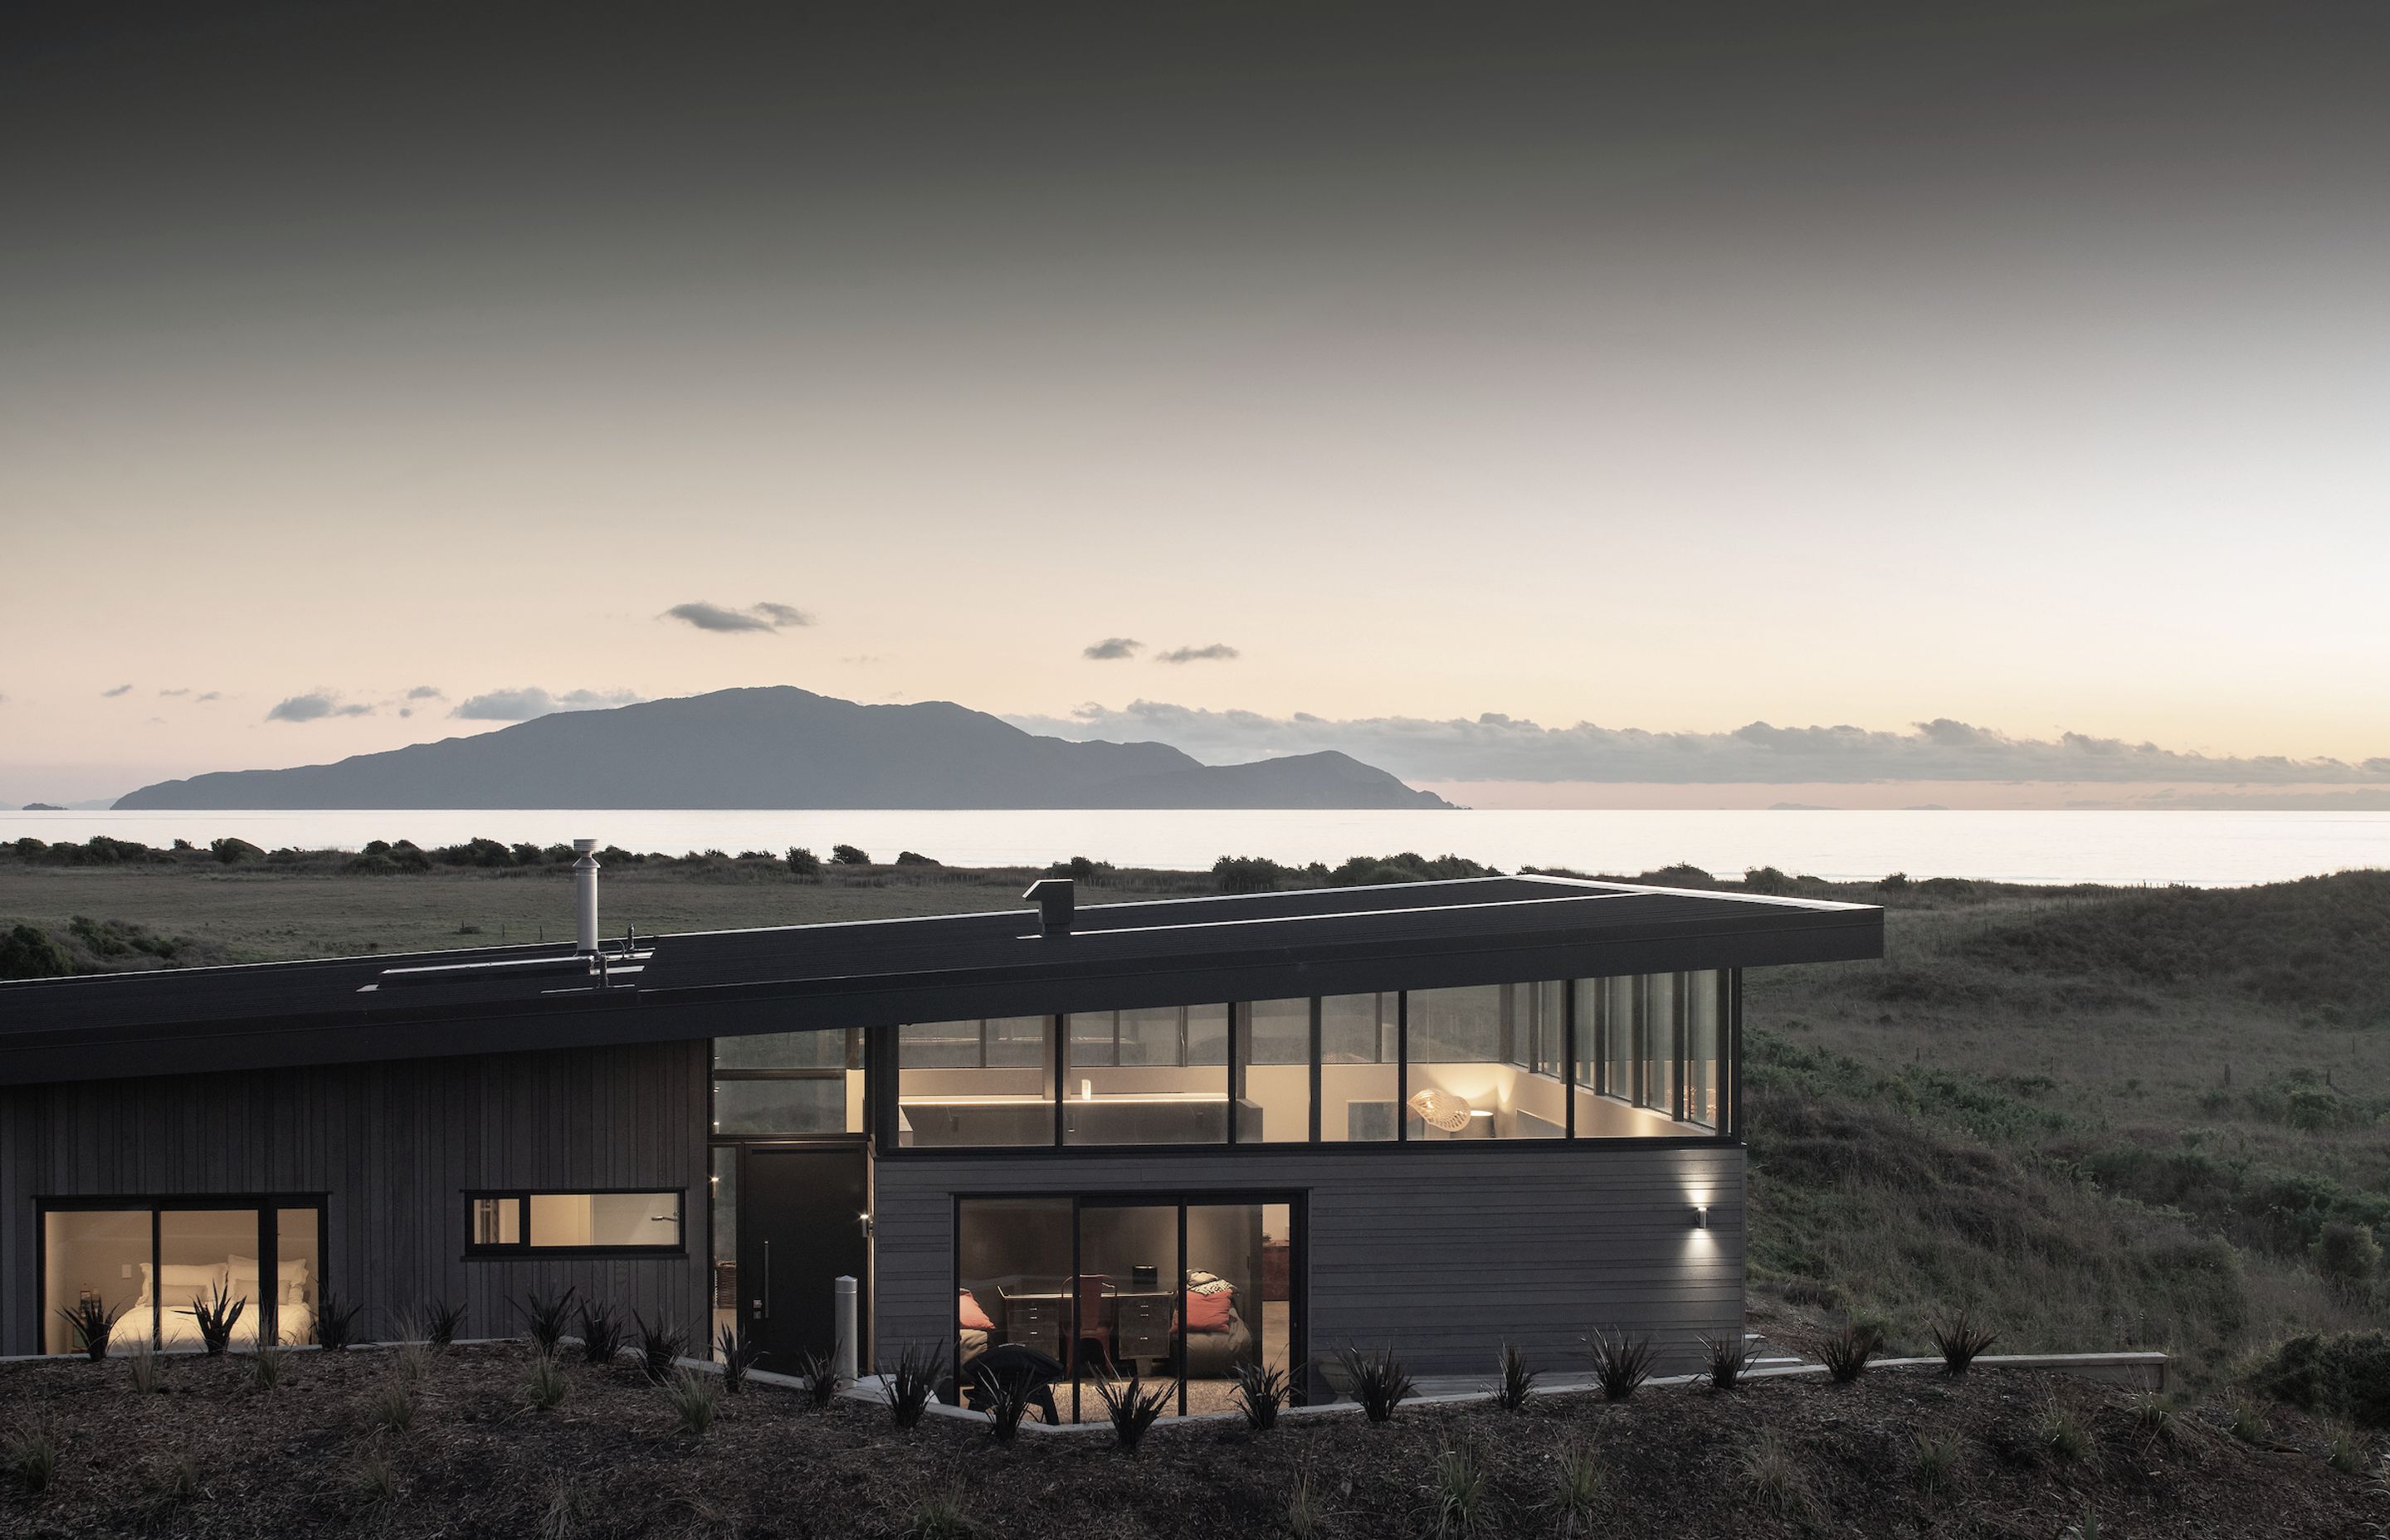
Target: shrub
[[849, 855], [2249, 1424], [1008, 1396], [694, 1399], [234, 852], [1260, 1392], [1080, 869], [1406, 866], [659, 1349], [31, 1456], [738, 1354], [441, 1322], [915, 1379], [1770, 1475], [1960, 1339], [545, 1385], [545, 1318], [391, 1408], [1248, 874], [1934, 1461], [336, 1322], [266, 1363], [180, 1482], [215, 1315], [1514, 1379], [818, 1367], [1893, 882], [1131, 1410], [1378, 1382], [1726, 1359], [1305, 1516], [1459, 1488], [2347, 1451], [1846, 1353], [93, 1322], [940, 1516], [411, 1365], [914, 858], [2347, 1255], [1620, 1364], [146, 1365], [376, 1481], [1766, 879], [2345, 1375], [1577, 1487], [27, 952], [601, 1332], [2154, 1417], [2059, 1434], [802, 862]]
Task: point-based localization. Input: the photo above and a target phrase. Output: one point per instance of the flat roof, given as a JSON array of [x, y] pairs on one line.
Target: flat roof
[[863, 973]]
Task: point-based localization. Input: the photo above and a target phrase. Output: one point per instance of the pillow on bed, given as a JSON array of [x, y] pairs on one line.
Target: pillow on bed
[[1209, 1312], [973, 1318]]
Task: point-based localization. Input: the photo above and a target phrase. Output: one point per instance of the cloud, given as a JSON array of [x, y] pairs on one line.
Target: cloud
[[314, 707], [521, 705], [212, 695], [765, 616], [1497, 748], [1216, 652], [1112, 648], [425, 692], [169, 694], [121, 689]]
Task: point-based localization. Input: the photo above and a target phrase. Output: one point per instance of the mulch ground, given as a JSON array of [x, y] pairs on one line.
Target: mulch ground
[[476, 1461]]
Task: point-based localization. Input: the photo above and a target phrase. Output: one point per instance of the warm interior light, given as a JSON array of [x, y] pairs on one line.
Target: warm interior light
[[1086, 1090], [1440, 1109]]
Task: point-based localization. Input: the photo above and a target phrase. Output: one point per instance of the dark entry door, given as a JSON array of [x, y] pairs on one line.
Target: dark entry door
[[801, 1224]]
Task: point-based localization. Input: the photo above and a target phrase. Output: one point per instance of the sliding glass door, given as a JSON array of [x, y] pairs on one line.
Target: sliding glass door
[[151, 1261], [1176, 1295]]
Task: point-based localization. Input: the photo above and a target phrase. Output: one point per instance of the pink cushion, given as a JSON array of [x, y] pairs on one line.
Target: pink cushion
[[973, 1317], [1209, 1312]]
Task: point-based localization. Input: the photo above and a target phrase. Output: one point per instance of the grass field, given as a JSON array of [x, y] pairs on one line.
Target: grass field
[[2106, 1118]]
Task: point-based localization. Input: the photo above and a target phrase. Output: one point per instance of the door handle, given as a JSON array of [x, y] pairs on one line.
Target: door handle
[[767, 1280]]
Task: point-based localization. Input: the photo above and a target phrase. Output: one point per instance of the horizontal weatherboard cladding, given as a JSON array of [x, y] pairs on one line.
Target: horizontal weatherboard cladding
[[1444, 1259], [395, 1146], [886, 972]]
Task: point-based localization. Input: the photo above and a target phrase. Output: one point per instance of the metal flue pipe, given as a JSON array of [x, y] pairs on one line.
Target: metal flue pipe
[[585, 896]]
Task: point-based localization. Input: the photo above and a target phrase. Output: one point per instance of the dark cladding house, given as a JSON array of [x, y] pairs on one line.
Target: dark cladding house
[[1166, 1135]]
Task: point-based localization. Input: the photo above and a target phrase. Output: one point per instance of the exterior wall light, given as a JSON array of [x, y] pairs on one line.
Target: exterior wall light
[[1700, 1216]]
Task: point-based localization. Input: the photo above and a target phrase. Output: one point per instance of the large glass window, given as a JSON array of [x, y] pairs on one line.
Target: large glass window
[[1605, 1057], [645, 1220], [1360, 1088], [150, 1262], [788, 1082], [1273, 1072], [1701, 1035], [1150, 1076], [1176, 1293], [978, 1084], [1468, 1049]]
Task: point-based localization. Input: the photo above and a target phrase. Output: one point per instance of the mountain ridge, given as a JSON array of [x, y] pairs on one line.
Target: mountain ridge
[[781, 746]]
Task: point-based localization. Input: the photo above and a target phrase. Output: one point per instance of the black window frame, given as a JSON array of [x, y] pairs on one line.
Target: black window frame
[[523, 1247], [884, 1056], [267, 1204]]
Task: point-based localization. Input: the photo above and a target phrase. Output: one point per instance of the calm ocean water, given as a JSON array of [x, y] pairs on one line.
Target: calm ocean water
[[2203, 848]]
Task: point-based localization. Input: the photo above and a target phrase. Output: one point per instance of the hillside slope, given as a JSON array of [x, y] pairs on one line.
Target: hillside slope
[[781, 746]]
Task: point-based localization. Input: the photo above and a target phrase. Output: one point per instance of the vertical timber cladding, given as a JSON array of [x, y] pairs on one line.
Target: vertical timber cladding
[[1446, 1253], [394, 1146]]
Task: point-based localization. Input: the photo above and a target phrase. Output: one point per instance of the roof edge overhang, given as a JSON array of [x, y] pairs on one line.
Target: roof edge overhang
[[1073, 976]]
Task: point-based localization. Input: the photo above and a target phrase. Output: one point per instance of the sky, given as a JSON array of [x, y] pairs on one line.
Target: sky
[[375, 372]]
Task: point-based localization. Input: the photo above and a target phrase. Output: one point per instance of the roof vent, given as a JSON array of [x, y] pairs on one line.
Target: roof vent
[[584, 894], [1055, 898]]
